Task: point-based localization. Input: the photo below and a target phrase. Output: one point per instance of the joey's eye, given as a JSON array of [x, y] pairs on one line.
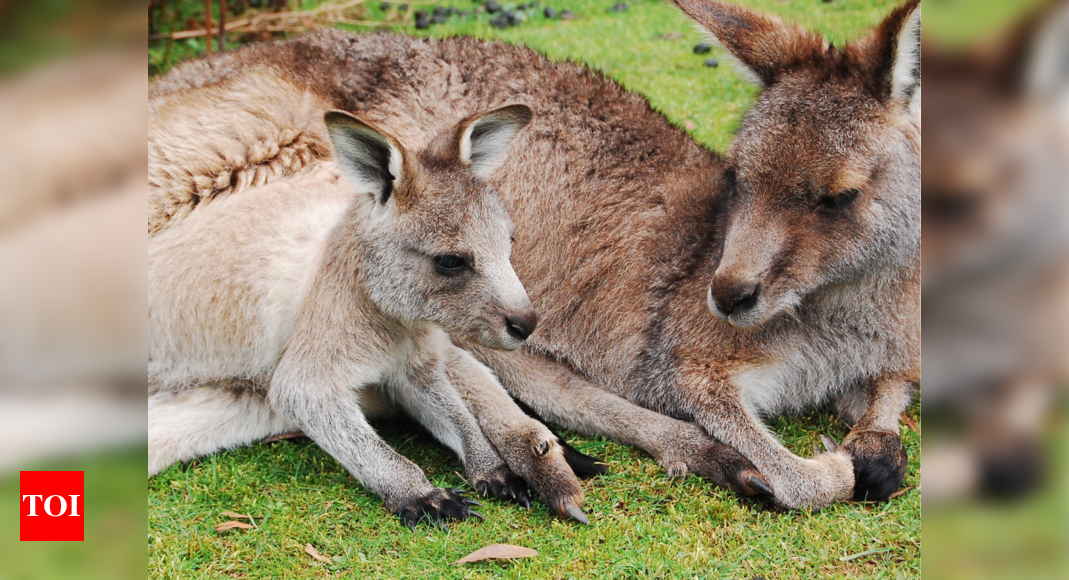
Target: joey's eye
[[838, 201], [512, 239], [449, 265]]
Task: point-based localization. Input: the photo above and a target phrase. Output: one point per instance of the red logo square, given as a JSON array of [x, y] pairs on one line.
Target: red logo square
[[51, 506]]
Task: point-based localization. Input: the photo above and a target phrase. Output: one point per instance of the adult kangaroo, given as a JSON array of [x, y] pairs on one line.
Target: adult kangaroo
[[682, 295], [804, 244]]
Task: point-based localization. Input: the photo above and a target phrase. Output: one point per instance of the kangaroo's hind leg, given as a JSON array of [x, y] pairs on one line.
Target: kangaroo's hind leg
[[195, 422], [561, 395]]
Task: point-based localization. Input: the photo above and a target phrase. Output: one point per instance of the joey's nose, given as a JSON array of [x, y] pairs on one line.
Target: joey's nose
[[734, 296], [520, 325]]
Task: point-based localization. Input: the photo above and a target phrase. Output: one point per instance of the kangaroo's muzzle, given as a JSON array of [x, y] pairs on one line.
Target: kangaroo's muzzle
[[731, 295], [520, 325]]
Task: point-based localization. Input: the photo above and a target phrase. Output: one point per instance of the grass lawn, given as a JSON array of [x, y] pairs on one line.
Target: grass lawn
[[643, 524]]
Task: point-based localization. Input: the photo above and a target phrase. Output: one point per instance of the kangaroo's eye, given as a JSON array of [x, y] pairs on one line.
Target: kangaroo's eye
[[449, 265], [838, 201]]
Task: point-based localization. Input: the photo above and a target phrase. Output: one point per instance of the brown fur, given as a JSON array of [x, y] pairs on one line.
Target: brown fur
[[623, 221]]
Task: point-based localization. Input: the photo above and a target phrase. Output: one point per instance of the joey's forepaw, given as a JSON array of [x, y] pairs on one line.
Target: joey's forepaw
[[879, 464], [504, 484], [437, 507]]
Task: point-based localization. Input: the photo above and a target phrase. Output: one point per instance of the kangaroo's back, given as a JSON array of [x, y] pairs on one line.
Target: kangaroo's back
[[602, 177]]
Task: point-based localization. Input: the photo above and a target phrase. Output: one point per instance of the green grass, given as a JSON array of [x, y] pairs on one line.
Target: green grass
[[643, 524]]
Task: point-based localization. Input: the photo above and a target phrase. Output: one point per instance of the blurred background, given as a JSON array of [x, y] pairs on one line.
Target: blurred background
[[72, 276], [995, 486]]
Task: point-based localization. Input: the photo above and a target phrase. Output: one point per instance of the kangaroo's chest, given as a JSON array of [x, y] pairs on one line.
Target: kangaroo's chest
[[808, 372]]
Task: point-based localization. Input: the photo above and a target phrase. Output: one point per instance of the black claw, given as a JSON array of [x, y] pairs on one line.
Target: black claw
[[436, 508], [758, 484], [526, 502], [476, 514], [472, 502], [576, 513], [830, 444], [542, 448]]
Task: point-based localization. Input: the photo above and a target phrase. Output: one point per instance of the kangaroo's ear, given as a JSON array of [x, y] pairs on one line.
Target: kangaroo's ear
[[894, 54], [1047, 69], [484, 139], [369, 158], [762, 44]]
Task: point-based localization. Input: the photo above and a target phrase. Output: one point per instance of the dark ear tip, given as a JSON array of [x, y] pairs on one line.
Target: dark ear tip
[[521, 114], [336, 117]]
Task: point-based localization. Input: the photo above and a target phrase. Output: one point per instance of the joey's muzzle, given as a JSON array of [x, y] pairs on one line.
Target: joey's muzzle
[[521, 324]]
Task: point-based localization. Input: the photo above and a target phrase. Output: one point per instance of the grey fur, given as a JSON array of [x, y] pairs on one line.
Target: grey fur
[[309, 302], [625, 225]]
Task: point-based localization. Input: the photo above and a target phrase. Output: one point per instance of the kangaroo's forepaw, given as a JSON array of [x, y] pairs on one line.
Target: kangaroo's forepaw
[[503, 483], [727, 468], [813, 484], [437, 507], [879, 463], [721, 464]]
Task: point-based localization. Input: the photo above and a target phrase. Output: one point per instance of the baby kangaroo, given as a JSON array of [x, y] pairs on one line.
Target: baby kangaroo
[[685, 296], [309, 307]]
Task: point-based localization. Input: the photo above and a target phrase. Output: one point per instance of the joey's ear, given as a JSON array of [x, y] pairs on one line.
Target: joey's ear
[[763, 45], [369, 158], [484, 139], [894, 54]]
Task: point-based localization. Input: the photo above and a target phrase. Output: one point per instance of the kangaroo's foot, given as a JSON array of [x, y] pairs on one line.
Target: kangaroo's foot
[[534, 451], [582, 465], [437, 507]]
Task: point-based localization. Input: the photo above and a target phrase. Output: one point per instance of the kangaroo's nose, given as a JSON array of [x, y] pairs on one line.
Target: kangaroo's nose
[[520, 325], [734, 296]]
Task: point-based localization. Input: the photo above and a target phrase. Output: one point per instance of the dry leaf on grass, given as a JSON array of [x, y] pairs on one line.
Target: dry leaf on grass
[[689, 125], [231, 525], [231, 514], [497, 552], [315, 554], [282, 436], [910, 423]]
